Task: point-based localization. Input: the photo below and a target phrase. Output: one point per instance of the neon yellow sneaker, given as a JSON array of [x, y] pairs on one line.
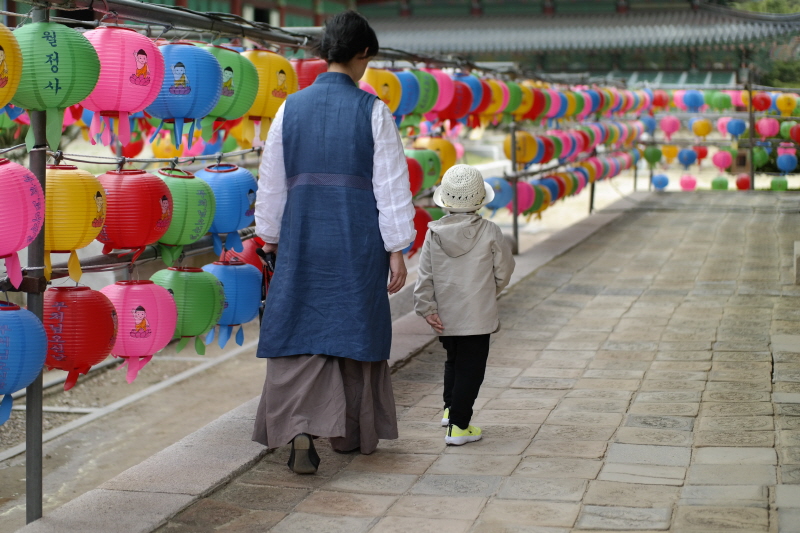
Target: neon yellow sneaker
[[446, 417], [457, 436]]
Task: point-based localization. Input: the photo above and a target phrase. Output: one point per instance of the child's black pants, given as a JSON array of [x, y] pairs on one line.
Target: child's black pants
[[463, 374]]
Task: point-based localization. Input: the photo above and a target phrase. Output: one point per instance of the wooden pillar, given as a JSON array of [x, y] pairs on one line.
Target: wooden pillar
[[236, 7], [181, 3]]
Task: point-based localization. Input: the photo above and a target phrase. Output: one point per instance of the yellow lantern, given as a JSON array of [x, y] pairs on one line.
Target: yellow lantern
[[276, 80], [702, 127], [163, 148], [745, 98], [10, 65], [495, 104], [786, 103], [75, 211], [572, 104], [590, 170], [527, 147], [387, 86], [443, 147], [670, 152], [526, 103], [237, 132]]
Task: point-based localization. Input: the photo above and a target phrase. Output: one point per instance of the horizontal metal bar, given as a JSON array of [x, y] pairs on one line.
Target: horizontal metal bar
[[62, 410]]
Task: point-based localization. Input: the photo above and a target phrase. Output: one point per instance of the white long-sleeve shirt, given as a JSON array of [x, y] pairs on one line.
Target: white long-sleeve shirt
[[390, 182]]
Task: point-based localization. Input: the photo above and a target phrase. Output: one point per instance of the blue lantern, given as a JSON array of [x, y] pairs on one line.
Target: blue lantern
[[503, 193], [660, 182], [23, 345], [636, 156], [687, 157], [649, 124], [235, 192], [736, 127], [693, 100], [410, 95], [552, 186], [475, 86], [242, 299], [192, 87], [787, 162]]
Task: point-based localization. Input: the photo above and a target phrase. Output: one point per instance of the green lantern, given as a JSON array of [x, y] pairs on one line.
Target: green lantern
[[538, 199], [60, 68], [786, 126], [760, 156], [580, 102], [428, 92], [514, 97], [431, 166], [435, 212], [558, 146], [199, 297], [193, 209], [239, 87], [779, 184], [721, 101], [652, 155], [720, 183]]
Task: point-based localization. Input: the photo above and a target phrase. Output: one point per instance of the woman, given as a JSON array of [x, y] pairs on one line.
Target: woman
[[334, 192]]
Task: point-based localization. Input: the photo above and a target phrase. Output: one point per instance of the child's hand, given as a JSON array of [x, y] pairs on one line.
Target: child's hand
[[434, 321]]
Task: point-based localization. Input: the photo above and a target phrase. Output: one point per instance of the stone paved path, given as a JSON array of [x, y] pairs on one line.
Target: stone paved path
[[647, 380]]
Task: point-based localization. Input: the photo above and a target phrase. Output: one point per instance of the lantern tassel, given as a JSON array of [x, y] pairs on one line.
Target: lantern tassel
[[217, 240], [135, 364], [72, 379], [48, 265], [155, 133], [5, 408], [234, 242], [224, 335], [199, 347], [124, 128], [55, 123], [29, 139], [240, 336], [74, 266], [207, 128], [248, 130], [191, 134], [181, 344], [95, 127], [264, 130], [210, 335], [105, 137], [178, 129], [14, 270]]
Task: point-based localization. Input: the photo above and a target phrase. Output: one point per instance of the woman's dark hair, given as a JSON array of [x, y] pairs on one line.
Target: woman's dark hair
[[346, 35]]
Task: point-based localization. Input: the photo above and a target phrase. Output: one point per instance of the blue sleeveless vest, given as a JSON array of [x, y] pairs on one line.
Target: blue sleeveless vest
[[328, 295]]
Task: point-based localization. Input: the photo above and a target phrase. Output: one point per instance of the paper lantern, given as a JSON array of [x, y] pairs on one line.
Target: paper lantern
[[660, 98], [687, 157], [443, 148], [514, 97], [688, 182], [235, 196], [421, 220], [239, 88], [693, 100], [428, 92], [430, 163], [660, 182], [248, 253], [670, 125], [786, 163], [75, 213], [193, 209], [307, 70], [199, 298], [503, 193], [526, 147], [139, 210], [670, 152], [242, 298], [130, 78], [191, 89], [459, 105], [387, 86], [652, 155], [147, 316], [410, 93], [22, 202], [59, 68], [786, 103], [702, 127], [720, 183], [722, 160], [525, 195], [743, 182], [276, 81], [767, 127], [10, 65], [81, 326], [761, 101], [415, 175], [701, 151], [23, 346], [779, 183], [446, 89]]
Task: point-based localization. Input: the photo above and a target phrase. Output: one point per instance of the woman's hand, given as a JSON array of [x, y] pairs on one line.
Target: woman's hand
[[435, 322], [398, 267], [269, 248]]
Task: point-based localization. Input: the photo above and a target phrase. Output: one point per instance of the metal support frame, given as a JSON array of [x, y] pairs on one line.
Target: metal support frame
[[515, 201], [752, 128]]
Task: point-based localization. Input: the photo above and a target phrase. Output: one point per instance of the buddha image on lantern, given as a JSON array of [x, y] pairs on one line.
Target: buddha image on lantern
[[280, 91], [3, 68], [165, 218], [180, 84], [227, 82], [141, 328], [141, 76], [251, 196], [99, 220], [385, 93]]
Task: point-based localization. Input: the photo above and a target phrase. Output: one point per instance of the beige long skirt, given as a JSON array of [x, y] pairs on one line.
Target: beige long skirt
[[350, 402]]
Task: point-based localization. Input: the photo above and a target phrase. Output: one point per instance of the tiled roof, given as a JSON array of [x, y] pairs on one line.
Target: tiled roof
[[481, 35]]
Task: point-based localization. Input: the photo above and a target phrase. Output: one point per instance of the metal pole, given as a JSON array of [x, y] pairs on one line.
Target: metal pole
[[33, 412], [591, 198], [650, 181], [515, 246], [635, 175], [752, 127]]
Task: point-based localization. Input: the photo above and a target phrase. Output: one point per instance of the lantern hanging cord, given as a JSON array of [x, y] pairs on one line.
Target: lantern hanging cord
[[172, 161], [12, 148]]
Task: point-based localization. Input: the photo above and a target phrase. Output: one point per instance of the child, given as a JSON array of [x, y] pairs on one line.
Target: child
[[464, 264]]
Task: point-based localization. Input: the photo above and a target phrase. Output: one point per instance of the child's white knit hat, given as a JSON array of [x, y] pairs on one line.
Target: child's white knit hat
[[463, 190]]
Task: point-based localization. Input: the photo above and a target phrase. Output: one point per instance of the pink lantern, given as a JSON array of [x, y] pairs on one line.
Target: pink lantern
[[131, 73], [446, 89], [722, 160], [555, 104], [722, 125], [786, 149], [525, 196], [22, 203], [677, 99], [688, 182], [459, 150], [767, 127], [147, 316], [364, 86], [670, 125]]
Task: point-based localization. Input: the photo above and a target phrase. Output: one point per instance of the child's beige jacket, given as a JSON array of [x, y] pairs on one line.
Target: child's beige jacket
[[464, 264]]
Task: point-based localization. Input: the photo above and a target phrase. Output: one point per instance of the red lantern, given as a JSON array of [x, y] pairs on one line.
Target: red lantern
[[81, 326], [415, 176], [139, 210], [549, 148], [459, 105], [133, 148], [307, 70], [702, 153], [743, 181], [248, 255], [660, 98], [537, 108], [762, 101], [421, 220], [486, 99], [794, 133]]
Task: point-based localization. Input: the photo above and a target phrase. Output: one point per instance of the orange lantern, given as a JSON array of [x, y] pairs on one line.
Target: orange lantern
[[276, 80]]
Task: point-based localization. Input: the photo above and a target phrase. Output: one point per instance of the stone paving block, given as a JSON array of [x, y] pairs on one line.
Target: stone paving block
[[697, 519], [620, 364], [737, 409], [260, 497], [573, 355], [695, 355], [539, 372], [758, 439], [736, 423], [786, 397], [528, 513], [557, 448], [523, 382], [735, 396], [491, 447], [404, 524], [683, 346], [731, 474], [644, 474], [674, 409], [316, 522], [623, 518], [531, 393], [457, 485], [739, 386], [554, 432], [645, 346], [392, 463], [789, 521], [574, 345], [564, 363], [624, 355], [528, 488], [648, 455], [253, 521], [787, 409], [456, 507], [207, 513], [561, 467], [735, 456], [764, 356], [725, 496], [787, 496], [613, 384], [569, 418], [419, 445], [631, 494], [690, 366], [345, 504], [674, 375], [790, 474], [600, 394], [656, 437], [676, 423], [479, 465], [593, 405], [510, 416], [668, 397], [613, 374], [371, 482], [728, 346], [658, 385], [528, 404]]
